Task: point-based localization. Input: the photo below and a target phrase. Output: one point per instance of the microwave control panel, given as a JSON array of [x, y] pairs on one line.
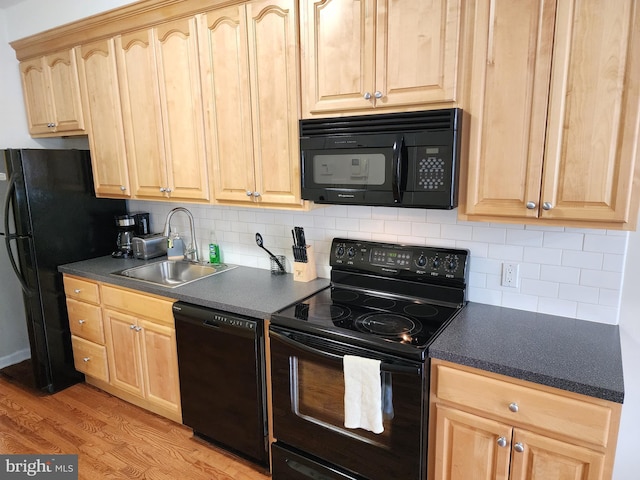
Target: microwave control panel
[[405, 261], [431, 169]]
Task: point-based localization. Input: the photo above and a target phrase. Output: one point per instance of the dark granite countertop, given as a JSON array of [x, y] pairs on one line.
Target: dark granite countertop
[[246, 291], [575, 355]]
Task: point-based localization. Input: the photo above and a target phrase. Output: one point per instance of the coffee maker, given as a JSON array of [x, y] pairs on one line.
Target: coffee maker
[[126, 230]]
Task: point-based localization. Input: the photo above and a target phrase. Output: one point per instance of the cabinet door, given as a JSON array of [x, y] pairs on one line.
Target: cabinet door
[[338, 54], [65, 92], [272, 32], [226, 91], [511, 64], [592, 133], [160, 365], [101, 104], [36, 96], [123, 352], [141, 113], [416, 51], [467, 446], [543, 458], [176, 45]]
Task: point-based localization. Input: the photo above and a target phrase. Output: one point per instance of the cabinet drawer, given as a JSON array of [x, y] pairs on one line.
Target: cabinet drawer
[[144, 305], [558, 413], [85, 320], [90, 358], [83, 290]]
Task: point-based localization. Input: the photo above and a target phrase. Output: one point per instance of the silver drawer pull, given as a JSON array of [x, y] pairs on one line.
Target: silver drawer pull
[[518, 447], [81, 321], [514, 407], [502, 442], [76, 291], [86, 359]]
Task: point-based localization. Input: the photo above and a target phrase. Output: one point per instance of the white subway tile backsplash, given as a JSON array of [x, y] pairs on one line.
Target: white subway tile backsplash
[[560, 274], [564, 240], [563, 271]]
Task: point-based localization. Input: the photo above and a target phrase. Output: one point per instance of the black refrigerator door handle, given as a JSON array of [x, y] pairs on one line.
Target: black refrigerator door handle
[[8, 237]]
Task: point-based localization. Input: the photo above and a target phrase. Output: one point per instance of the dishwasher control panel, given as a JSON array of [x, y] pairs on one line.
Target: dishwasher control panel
[[220, 319]]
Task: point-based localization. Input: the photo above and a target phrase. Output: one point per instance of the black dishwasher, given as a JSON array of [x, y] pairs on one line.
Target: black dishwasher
[[221, 364]]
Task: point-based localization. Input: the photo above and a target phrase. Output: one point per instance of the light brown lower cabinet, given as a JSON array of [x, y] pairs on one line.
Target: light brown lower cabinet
[[488, 426], [124, 341]]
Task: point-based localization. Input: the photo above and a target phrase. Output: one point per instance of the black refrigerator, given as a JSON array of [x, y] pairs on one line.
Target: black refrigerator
[[51, 216]]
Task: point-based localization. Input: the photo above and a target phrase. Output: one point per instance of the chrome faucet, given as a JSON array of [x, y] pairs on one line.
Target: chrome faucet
[[191, 253]]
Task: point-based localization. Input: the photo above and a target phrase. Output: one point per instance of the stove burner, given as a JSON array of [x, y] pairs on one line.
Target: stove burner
[[343, 296], [326, 311], [377, 302], [387, 325], [421, 310]]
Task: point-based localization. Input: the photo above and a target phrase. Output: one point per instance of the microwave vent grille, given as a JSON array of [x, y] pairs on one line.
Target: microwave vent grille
[[428, 120]]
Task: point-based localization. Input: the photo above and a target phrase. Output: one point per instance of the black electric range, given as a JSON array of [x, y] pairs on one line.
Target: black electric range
[[389, 297]]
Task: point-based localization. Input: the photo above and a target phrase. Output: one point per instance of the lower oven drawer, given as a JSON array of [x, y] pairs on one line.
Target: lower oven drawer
[[289, 465], [308, 408]]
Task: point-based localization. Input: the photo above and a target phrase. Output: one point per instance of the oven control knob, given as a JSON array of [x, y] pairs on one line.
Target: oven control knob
[[351, 252], [435, 263], [340, 251], [451, 264], [422, 261]]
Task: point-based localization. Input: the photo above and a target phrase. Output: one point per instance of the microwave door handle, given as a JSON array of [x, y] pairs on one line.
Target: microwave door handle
[[397, 170], [384, 367]]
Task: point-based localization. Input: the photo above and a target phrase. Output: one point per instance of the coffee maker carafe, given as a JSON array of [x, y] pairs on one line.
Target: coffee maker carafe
[[126, 225]]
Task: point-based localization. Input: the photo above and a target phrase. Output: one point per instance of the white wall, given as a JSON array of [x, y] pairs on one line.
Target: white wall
[[577, 273]]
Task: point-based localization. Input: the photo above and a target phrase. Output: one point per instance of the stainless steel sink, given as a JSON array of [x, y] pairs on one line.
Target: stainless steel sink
[[171, 273]]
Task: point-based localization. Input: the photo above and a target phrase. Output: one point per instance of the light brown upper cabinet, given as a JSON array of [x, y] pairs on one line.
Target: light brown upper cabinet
[[250, 85], [161, 99], [554, 113], [101, 103], [52, 95], [390, 54]]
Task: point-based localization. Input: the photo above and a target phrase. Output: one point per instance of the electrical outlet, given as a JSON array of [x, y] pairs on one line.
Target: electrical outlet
[[510, 274]]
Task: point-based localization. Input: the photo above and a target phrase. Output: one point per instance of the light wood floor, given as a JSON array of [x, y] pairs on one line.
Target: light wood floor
[[113, 439]]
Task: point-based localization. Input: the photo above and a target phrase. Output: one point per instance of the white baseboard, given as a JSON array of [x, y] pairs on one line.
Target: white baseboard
[[15, 357]]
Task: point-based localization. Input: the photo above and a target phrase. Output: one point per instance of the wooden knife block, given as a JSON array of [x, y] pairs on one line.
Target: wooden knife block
[[305, 272]]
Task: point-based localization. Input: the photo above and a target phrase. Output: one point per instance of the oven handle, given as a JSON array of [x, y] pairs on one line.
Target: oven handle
[[384, 367]]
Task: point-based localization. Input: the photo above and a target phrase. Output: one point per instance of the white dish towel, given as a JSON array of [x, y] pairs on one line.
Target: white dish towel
[[362, 393]]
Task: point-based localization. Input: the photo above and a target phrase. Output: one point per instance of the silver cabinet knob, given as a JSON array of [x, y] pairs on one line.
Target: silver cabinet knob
[[367, 96], [256, 194], [81, 321], [86, 359], [123, 188], [502, 442], [531, 205], [77, 291], [162, 189], [138, 329], [378, 94], [547, 206], [513, 407], [249, 193], [518, 447], [168, 190], [132, 327]]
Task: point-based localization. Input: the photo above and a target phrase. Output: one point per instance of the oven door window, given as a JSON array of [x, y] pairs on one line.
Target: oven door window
[[308, 402]]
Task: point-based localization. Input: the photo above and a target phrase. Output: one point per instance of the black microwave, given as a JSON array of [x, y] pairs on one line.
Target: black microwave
[[406, 159]]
